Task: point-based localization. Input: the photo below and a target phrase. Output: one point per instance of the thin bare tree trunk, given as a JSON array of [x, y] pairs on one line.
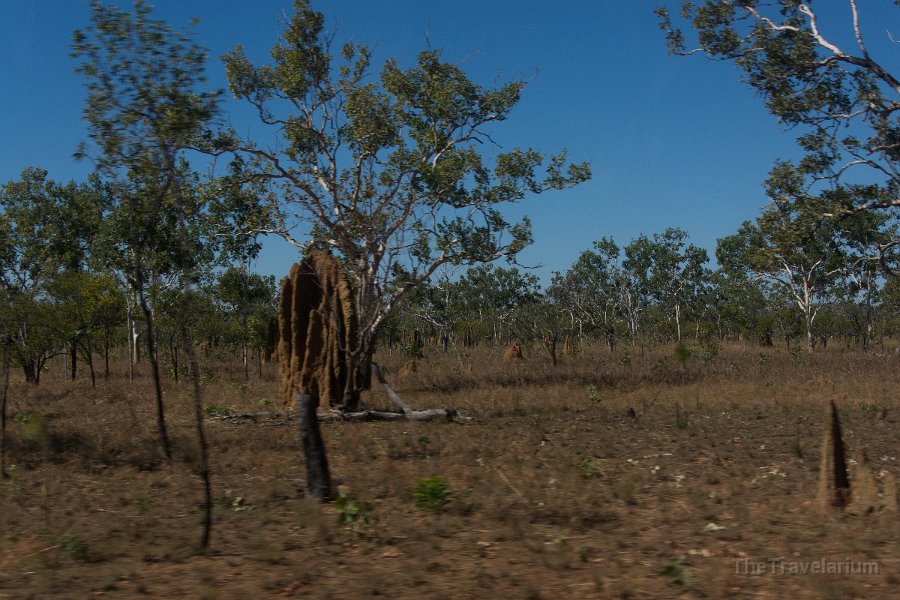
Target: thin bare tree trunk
[[4, 395], [90, 361], [204, 447], [157, 383]]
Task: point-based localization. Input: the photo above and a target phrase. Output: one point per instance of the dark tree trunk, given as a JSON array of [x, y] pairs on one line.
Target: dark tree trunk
[[73, 355], [550, 343], [88, 355], [32, 371], [106, 355], [318, 478], [204, 447], [157, 383], [174, 348]]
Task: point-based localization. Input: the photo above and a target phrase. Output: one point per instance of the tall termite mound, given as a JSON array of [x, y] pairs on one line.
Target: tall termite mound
[[868, 493], [834, 484], [317, 330]]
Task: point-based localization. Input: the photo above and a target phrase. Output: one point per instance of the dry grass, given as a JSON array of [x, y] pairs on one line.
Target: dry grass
[[558, 492]]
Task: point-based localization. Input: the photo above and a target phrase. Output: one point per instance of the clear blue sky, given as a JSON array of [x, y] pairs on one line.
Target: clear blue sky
[[673, 141]]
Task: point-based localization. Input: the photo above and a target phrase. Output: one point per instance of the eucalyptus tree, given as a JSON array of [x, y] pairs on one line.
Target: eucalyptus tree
[[594, 292], [248, 302], [869, 239], [495, 298], [669, 270], [740, 306], [388, 170], [841, 98], [45, 232], [238, 211], [145, 109], [790, 245]]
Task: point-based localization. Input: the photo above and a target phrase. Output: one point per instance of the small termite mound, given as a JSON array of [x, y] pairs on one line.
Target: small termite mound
[[514, 352]]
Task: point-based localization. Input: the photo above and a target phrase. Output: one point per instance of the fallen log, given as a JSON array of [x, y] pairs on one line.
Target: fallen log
[[379, 415]]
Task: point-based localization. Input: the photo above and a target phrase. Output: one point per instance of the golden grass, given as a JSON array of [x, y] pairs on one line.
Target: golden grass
[[558, 491]]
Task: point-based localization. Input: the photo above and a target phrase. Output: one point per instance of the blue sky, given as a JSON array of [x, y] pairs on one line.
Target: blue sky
[[673, 141]]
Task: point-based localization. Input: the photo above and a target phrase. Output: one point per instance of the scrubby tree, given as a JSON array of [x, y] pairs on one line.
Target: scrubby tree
[[389, 170], [146, 108], [790, 245], [45, 232], [595, 292], [670, 271]]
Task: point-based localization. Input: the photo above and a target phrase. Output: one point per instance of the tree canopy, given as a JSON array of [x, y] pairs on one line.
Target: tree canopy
[[391, 171]]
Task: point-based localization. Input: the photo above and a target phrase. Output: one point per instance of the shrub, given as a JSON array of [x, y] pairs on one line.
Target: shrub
[[432, 493]]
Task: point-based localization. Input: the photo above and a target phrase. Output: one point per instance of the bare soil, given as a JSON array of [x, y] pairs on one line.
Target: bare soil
[[613, 475]]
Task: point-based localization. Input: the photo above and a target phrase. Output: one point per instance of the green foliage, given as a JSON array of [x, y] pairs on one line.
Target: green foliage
[[869, 409], [35, 427], [73, 545], [683, 354], [593, 393], [432, 493], [361, 134], [677, 571], [9, 482], [144, 502], [355, 513], [218, 411], [711, 349], [797, 448], [838, 97], [589, 468]]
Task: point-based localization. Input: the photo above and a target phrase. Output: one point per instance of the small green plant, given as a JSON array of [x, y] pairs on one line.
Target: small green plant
[[354, 513], [432, 493], [144, 502], [677, 572], [9, 483], [74, 546], [217, 411], [593, 393], [797, 448], [710, 351], [683, 354], [868, 409], [240, 386], [625, 359], [266, 402], [589, 467], [424, 442], [799, 355], [681, 418], [35, 427]]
